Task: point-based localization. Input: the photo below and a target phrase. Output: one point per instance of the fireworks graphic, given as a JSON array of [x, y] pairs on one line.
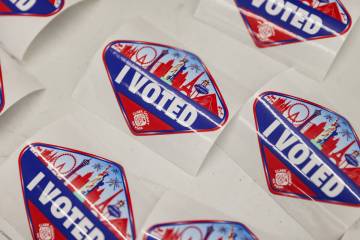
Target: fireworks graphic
[[195, 67], [97, 167], [114, 183], [222, 230], [176, 55], [329, 117], [115, 170], [346, 133]]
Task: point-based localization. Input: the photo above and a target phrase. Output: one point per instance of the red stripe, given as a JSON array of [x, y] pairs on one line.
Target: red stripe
[[3, 7], [52, 2]]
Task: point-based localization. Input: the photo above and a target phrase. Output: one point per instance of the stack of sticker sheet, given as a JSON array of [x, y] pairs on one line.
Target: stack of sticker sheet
[[179, 119]]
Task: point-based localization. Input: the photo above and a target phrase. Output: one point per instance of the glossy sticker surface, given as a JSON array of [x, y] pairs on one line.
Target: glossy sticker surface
[[2, 94], [74, 195], [199, 230], [163, 90], [278, 22], [41, 8], [308, 151]]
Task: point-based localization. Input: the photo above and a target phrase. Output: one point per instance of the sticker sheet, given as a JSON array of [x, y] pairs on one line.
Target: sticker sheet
[[15, 83], [160, 94], [63, 190], [304, 34], [22, 20], [298, 144], [191, 219]]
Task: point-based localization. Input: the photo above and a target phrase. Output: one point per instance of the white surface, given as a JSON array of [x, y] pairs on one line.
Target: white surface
[[7, 231], [59, 56], [353, 233]]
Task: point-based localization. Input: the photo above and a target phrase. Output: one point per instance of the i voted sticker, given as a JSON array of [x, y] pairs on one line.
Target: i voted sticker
[[308, 151], [278, 22], [41, 8], [199, 230], [2, 94], [70, 194], [163, 90]]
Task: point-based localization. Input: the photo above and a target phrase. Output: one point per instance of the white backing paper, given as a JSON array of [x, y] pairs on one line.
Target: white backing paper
[[17, 32], [353, 232], [16, 83], [187, 151], [240, 141]]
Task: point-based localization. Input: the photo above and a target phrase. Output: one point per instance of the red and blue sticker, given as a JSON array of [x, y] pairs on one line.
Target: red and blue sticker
[[308, 151], [2, 94], [40, 8], [163, 90], [199, 230], [70, 194], [278, 22]]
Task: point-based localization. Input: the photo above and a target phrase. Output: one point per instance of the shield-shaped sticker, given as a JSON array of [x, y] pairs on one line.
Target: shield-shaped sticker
[[40, 8], [2, 94], [278, 22], [163, 90], [199, 230], [70, 194], [308, 151]]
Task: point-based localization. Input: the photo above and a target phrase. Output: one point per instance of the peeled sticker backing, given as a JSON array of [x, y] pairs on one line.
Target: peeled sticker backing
[[22, 20], [15, 83]]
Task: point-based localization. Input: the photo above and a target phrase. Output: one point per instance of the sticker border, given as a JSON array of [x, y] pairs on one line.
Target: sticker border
[[61, 7], [287, 42], [226, 110], [197, 222], [265, 167], [2, 92], [71, 150]]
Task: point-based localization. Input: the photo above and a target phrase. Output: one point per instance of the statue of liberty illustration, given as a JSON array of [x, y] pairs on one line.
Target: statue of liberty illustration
[[175, 70], [232, 235], [92, 185], [329, 132]]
